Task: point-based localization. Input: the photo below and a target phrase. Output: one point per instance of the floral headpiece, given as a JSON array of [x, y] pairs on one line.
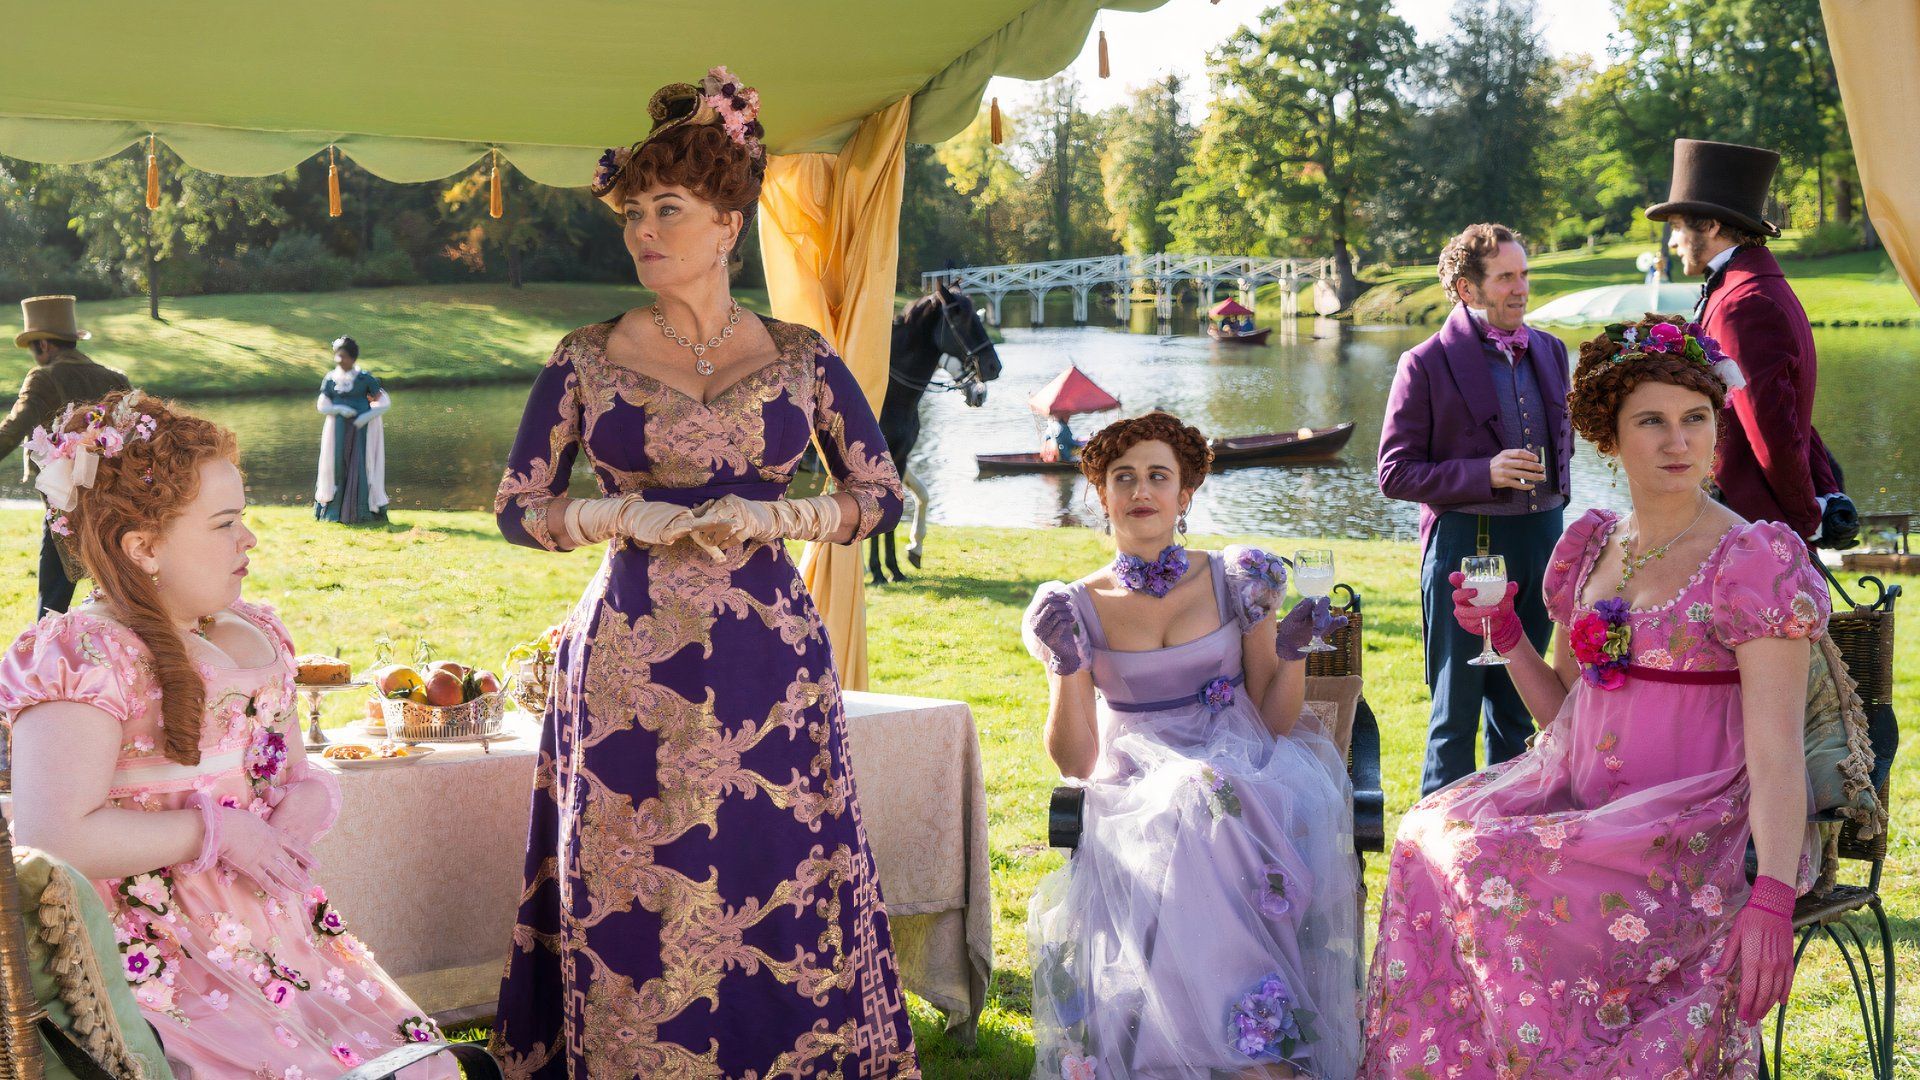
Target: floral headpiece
[[1670, 337], [70, 460], [720, 98]]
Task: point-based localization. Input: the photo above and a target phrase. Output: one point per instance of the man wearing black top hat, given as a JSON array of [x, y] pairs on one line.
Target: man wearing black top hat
[[1771, 464]]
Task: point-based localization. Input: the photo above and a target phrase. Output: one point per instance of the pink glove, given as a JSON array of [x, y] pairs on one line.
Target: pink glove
[[309, 805], [1761, 942], [275, 861], [1503, 626]]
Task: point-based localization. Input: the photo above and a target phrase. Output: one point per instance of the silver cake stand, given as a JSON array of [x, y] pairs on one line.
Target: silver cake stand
[[317, 739]]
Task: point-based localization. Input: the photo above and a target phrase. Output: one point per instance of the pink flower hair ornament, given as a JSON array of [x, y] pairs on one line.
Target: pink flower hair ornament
[[720, 98], [71, 460]]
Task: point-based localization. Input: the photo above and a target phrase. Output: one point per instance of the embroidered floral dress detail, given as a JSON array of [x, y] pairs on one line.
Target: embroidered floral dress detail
[[236, 982], [1561, 914]]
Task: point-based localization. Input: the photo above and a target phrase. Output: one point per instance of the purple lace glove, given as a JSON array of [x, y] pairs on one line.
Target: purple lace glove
[[1309, 618], [1052, 626]]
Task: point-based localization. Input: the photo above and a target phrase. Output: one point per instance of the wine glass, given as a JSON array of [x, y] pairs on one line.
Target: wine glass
[[1313, 576], [1486, 575]]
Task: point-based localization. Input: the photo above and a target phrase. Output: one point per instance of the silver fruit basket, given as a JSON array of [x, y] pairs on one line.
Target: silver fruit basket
[[410, 721]]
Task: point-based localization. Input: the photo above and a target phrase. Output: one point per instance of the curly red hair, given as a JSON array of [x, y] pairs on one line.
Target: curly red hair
[[1606, 373], [143, 488], [1190, 448], [706, 161]]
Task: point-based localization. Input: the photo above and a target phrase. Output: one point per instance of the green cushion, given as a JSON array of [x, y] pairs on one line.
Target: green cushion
[[34, 870]]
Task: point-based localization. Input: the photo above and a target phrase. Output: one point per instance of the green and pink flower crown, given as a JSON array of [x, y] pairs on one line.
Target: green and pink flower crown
[[1657, 336]]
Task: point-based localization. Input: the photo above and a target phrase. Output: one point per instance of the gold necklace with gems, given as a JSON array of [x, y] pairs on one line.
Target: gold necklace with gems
[[1630, 563], [700, 362]]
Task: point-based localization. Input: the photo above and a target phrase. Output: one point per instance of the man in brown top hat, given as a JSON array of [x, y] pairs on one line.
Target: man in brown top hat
[[62, 375], [1771, 464]]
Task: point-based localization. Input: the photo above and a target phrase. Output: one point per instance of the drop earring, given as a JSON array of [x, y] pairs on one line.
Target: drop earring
[[1180, 526], [1613, 466]]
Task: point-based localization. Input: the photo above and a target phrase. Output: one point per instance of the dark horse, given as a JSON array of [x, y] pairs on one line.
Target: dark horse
[[938, 332]]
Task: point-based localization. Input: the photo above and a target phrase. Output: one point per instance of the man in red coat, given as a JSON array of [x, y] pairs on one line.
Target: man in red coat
[[1772, 466]]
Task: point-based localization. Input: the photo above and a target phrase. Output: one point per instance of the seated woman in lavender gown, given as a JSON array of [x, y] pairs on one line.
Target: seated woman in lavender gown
[[1206, 926], [1584, 910]]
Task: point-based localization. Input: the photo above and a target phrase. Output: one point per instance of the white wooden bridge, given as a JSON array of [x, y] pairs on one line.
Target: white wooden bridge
[[1158, 274]]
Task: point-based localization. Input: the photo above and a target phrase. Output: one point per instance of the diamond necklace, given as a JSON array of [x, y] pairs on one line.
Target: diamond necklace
[[1630, 563], [700, 362]]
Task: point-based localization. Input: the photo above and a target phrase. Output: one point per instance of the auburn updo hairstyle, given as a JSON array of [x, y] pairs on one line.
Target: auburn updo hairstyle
[[1607, 372], [706, 161], [144, 487], [1190, 448]]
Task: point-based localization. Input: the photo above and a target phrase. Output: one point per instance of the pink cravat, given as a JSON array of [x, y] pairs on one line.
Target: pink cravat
[[1510, 342]]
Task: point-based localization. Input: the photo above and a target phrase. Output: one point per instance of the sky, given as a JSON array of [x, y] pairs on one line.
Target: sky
[[1175, 37]]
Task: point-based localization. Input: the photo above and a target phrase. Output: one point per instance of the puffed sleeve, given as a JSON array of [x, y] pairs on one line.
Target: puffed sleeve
[[371, 383], [851, 445], [1256, 584], [1039, 649], [1561, 585], [543, 453], [1766, 586], [75, 658]]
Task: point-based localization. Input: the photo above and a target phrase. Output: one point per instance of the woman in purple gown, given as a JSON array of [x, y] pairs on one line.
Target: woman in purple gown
[[1207, 926], [1584, 909], [700, 898]]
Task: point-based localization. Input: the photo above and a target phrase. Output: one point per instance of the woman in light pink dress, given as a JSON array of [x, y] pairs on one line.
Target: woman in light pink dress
[[156, 748], [1583, 910]]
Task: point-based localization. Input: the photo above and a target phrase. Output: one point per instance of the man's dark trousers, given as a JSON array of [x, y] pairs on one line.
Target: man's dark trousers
[[1462, 692], [56, 589]]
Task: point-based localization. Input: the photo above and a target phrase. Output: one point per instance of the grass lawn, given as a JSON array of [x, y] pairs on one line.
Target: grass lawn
[[1856, 289], [251, 343], [951, 633]]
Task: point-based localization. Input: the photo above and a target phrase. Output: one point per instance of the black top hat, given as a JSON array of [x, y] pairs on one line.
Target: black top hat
[[1725, 181]]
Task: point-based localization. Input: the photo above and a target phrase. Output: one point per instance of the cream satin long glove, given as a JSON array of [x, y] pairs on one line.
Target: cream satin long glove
[[656, 524], [731, 519]]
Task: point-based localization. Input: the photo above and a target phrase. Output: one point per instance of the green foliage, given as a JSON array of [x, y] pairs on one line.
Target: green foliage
[[1302, 128], [1148, 143], [1832, 238]]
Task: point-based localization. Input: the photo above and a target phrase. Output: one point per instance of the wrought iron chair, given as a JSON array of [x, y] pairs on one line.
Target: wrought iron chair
[[1864, 634], [1066, 809]]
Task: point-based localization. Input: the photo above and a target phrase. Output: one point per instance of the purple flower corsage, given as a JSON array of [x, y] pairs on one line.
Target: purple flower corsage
[[1217, 695], [1265, 577], [1266, 1025], [267, 755], [1156, 578]]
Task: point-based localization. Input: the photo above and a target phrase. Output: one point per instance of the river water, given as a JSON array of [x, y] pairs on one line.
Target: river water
[[447, 446]]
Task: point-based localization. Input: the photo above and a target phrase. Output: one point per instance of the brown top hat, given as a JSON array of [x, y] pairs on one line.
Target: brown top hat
[[49, 318], [1724, 181]]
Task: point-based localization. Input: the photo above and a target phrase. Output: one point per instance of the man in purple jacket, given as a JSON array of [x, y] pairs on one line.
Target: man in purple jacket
[[1476, 432]]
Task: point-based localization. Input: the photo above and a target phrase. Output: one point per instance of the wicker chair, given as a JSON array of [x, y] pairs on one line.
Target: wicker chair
[[1066, 809], [24, 1022], [1864, 635]]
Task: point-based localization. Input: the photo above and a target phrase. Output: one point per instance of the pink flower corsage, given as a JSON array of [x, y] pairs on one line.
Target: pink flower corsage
[[1602, 640]]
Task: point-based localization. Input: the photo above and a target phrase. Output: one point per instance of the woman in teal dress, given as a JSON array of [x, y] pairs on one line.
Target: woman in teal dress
[[352, 485]]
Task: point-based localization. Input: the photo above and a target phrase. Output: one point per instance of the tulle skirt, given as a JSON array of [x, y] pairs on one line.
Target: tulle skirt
[[1209, 921]]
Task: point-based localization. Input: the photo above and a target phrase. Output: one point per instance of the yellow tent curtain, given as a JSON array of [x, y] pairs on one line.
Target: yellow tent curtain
[[1876, 52], [830, 241]]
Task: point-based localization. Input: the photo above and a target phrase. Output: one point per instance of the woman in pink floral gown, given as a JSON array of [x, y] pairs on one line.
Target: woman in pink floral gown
[[1583, 910], [156, 748]]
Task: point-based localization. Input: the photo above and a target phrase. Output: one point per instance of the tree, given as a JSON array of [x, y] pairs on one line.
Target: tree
[[1303, 123], [1056, 146], [933, 219], [1493, 78], [980, 172], [1148, 144]]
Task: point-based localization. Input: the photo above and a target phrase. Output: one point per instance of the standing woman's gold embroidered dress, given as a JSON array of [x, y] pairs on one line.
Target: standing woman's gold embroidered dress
[[700, 899]]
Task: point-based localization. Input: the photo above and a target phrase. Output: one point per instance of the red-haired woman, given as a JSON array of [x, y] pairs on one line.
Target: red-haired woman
[[701, 900], [1206, 926], [156, 748]]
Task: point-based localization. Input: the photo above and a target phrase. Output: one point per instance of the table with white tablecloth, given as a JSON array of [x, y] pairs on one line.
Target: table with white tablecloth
[[427, 857]]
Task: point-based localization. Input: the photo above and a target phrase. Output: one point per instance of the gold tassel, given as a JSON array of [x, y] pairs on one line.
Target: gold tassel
[[993, 122], [333, 183], [153, 175], [496, 202], [1105, 71]]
